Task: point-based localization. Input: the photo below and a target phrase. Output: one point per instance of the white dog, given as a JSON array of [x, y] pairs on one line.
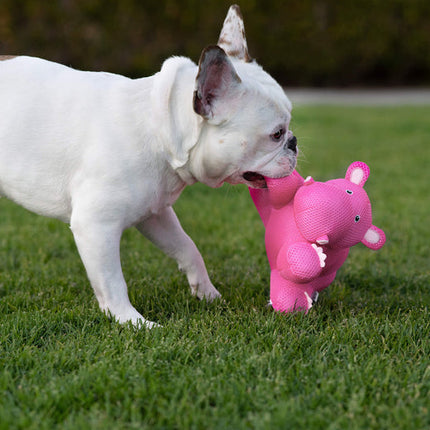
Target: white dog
[[104, 152]]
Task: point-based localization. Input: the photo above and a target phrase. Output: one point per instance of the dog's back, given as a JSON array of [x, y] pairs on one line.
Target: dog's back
[[49, 113]]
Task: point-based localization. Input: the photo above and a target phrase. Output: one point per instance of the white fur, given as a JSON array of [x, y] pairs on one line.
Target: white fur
[[232, 38], [104, 153]]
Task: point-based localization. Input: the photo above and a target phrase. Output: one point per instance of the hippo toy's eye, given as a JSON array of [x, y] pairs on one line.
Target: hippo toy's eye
[[349, 192], [357, 218]]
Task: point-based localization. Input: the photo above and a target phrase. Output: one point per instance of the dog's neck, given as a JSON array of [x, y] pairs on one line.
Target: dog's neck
[[172, 100]]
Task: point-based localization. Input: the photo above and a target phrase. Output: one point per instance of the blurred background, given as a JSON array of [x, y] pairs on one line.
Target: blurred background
[[312, 43]]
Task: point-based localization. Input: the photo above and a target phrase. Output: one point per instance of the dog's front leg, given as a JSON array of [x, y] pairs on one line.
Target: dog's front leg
[[165, 231], [99, 247]]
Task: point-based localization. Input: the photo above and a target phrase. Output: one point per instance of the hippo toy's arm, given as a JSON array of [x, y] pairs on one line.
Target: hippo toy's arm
[[300, 262]]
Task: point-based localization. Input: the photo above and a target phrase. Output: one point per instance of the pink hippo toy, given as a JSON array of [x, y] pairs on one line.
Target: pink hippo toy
[[310, 227]]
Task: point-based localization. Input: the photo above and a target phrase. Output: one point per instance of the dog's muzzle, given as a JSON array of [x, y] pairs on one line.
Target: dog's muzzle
[[291, 144], [257, 180]]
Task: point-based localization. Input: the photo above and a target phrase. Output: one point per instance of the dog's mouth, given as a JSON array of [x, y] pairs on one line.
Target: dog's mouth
[[255, 180]]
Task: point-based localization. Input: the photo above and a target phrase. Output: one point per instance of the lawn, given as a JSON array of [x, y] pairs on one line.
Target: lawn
[[359, 360]]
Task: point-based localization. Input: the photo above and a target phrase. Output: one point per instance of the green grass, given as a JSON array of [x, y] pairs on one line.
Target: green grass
[[359, 360]]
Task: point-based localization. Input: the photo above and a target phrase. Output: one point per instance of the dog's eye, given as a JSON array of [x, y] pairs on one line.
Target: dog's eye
[[357, 218], [278, 135], [349, 192]]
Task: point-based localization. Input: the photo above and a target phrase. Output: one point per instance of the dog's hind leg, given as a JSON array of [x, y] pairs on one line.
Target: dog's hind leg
[[99, 247], [165, 231]]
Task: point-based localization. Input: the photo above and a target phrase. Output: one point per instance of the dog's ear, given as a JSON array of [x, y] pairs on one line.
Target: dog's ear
[[216, 79], [232, 38]]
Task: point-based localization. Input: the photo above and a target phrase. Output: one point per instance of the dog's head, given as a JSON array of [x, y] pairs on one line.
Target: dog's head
[[245, 115]]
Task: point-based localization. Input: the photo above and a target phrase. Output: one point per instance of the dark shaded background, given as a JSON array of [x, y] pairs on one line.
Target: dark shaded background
[[300, 42]]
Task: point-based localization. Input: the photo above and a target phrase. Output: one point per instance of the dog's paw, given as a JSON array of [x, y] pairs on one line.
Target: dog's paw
[[130, 315], [205, 291], [144, 323]]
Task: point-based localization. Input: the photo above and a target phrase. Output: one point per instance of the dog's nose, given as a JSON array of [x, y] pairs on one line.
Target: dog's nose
[[292, 143]]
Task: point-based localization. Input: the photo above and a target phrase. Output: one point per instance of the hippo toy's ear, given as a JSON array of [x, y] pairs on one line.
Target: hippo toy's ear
[[357, 173], [374, 238]]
